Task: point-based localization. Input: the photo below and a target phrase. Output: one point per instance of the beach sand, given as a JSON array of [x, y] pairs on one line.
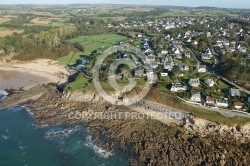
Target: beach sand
[[29, 74]]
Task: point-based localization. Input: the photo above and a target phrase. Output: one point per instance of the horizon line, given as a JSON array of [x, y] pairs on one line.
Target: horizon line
[[124, 5]]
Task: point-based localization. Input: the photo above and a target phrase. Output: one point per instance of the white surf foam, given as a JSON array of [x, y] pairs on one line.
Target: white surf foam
[[63, 133], [98, 150], [28, 110], [3, 94], [5, 137]]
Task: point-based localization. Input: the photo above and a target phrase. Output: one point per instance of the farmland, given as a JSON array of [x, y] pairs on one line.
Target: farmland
[[7, 32]]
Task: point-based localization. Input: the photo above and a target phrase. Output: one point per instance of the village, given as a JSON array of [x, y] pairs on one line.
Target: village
[[186, 70]]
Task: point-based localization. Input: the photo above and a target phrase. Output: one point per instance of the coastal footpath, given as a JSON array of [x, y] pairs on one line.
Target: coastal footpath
[[147, 140]]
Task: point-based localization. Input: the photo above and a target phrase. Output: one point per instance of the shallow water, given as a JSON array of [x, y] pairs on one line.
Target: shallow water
[[24, 144], [16, 79]]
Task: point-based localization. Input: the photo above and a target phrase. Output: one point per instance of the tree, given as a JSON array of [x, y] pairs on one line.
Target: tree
[[78, 46], [175, 72], [201, 46]]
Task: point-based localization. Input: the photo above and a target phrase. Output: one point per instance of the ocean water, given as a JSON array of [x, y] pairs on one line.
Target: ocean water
[[24, 144]]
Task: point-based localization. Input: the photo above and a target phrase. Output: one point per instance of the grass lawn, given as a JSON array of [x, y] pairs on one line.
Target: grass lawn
[[80, 82], [71, 58], [91, 43]]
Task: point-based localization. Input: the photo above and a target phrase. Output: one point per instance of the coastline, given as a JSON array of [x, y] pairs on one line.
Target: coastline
[[144, 138]]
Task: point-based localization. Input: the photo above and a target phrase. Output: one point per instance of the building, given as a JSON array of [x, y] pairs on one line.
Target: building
[[154, 65], [164, 52], [187, 54], [209, 82], [178, 87], [139, 73], [151, 76], [207, 55], [234, 92], [194, 82], [210, 100], [223, 102], [184, 67], [248, 100], [168, 65], [201, 68], [238, 105], [195, 97], [164, 74]]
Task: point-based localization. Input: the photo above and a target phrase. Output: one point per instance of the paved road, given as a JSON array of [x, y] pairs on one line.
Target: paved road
[[212, 70], [225, 112]]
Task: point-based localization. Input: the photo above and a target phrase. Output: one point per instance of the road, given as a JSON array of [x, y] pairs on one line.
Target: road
[[224, 112], [212, 70]]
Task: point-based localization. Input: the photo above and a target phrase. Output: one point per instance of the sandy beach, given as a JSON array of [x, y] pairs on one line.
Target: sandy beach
[[29, 74]]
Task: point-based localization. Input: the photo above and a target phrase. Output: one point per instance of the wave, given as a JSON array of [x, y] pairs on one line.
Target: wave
[[58, 134], [3, 94], [98, 150], [5, 136], [28, 110]]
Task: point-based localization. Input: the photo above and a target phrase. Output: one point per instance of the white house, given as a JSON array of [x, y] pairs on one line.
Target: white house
[[178, 87], [184, 67], [187, 54], [238, 105], [164, 52], [195, 97], [207, 55], [222, 102], [243, 49], [178, 56], [209, 82], [194, 82], [168, 65], [164, 74], [201, 68], [234, 92], [195, 42]]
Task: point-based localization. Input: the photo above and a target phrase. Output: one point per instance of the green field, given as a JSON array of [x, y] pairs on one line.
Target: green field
[[90, 44], [80, 82], [194, 13], [54, 24], [71, 58]]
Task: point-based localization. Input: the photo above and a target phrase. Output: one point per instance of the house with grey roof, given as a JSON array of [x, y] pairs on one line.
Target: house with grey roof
[[234, 92], [184, 67], [177, 87], [139, 73], [194, 82], [196, 97]]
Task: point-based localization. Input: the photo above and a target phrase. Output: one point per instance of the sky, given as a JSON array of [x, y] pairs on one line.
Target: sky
[[191, 3]]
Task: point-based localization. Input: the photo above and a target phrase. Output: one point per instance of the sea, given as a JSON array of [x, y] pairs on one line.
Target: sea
[[22, 143]]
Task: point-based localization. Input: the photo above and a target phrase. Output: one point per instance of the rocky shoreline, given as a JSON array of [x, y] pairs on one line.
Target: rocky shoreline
[[146, 141]]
